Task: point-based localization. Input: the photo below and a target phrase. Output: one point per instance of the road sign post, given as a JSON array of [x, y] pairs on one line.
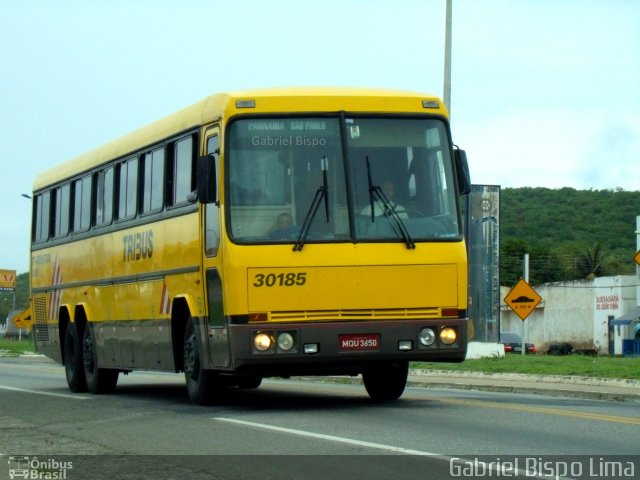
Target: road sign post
[[525, 325], [522, 299]]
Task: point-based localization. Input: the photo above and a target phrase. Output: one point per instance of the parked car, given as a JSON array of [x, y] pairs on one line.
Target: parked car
[[562, 348], [513, 343]]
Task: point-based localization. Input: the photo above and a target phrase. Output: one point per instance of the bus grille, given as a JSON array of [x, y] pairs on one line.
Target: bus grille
[[359, 314], [40, 317]]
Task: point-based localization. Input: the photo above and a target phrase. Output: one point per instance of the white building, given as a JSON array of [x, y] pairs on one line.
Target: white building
[[598, 313]]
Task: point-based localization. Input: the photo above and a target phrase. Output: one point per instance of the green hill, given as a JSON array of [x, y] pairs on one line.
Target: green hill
[[565, 228]]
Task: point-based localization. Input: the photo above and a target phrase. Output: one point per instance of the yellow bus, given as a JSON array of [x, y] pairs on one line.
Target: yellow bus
[[260, 233]]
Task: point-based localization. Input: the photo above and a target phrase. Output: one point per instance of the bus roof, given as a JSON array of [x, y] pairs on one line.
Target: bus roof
[[223, 105]]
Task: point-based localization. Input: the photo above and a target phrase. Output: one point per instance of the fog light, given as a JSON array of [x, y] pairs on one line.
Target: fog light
[[262, 341], [405, 345], [427, 336], [448, 335], [310, 348], [285, 341]]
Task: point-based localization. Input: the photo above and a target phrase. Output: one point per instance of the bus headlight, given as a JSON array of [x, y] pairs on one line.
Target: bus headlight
[[448, 335], [427, 336], [285, 342], [262, 341]]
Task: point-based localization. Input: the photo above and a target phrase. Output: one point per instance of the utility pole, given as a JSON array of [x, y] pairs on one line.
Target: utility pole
[[525, 326], [447, 57]]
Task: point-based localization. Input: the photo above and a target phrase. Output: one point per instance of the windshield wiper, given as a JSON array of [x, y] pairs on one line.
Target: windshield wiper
[[321, 193], [376, 192]]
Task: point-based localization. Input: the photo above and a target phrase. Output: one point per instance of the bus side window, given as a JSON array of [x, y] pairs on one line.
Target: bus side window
[[127, 188], [42, 217], [62, 199], [81, 204], [104, 197], [183, 165], [153, 186]]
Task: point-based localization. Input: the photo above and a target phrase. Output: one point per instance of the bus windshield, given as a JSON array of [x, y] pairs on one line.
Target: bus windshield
[[331, 179]]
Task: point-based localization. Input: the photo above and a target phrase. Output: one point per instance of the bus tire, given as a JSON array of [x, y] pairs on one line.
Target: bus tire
[[73, 367], [386, 383], [204, 387], [99, 380]]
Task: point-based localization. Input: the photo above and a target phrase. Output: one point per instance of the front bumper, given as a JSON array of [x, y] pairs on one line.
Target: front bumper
[[332, 356]]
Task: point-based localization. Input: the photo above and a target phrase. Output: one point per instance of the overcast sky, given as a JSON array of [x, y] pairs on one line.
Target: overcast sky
[[545, 92]]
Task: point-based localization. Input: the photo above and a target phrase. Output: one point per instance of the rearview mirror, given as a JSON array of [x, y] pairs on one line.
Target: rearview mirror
[[462, 171], [206, 180]]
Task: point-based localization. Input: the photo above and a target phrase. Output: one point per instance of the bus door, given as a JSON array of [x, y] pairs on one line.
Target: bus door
[[216, 328]]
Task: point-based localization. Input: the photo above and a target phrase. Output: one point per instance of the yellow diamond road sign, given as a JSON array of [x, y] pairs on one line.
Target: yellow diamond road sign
[[522, 299], [637, 257]]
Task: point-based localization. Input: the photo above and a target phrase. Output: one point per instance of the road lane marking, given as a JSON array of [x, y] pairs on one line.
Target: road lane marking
[[40, 392], [492, 468], [331, 438]]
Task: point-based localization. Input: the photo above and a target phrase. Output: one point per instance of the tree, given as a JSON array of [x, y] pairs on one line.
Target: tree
[[511, 254], [545, 266], [544, 263], [592, 261]]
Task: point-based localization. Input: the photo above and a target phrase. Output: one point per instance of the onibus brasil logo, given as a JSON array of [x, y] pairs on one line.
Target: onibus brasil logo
[[37, 469]]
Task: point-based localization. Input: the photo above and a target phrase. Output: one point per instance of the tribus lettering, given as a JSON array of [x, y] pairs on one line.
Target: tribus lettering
[[137, 246]]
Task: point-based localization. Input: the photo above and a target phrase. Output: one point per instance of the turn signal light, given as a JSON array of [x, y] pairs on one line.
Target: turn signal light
[[449, 312], [257, 317], [448, 335]]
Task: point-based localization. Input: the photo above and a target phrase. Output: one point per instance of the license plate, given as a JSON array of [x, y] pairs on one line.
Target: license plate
[[359, 342]]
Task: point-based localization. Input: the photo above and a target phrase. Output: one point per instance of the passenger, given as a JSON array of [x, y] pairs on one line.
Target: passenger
[[284, 228]]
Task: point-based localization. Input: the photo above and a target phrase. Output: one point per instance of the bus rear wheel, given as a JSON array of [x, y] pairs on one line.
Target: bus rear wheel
[[99, 380], [204, 387], [387, 382], [73, 368]]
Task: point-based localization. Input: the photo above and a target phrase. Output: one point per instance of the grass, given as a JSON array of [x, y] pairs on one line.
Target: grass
[[11, 347], [581, 365]]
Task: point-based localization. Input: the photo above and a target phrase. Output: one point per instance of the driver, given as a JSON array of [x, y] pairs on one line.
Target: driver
[[388, 188]]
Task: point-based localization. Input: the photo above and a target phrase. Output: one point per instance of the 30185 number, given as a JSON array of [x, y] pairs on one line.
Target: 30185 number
[[280, 279]]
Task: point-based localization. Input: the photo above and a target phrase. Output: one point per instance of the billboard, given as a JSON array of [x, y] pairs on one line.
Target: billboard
[[483, 243], [7, 280]]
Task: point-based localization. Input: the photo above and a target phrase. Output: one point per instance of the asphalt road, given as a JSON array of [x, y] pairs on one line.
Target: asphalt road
[[298, 429]]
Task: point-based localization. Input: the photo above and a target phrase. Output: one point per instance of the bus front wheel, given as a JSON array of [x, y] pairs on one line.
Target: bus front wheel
[[203, 386], [387, 382], [73, 368], [99, 380]]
